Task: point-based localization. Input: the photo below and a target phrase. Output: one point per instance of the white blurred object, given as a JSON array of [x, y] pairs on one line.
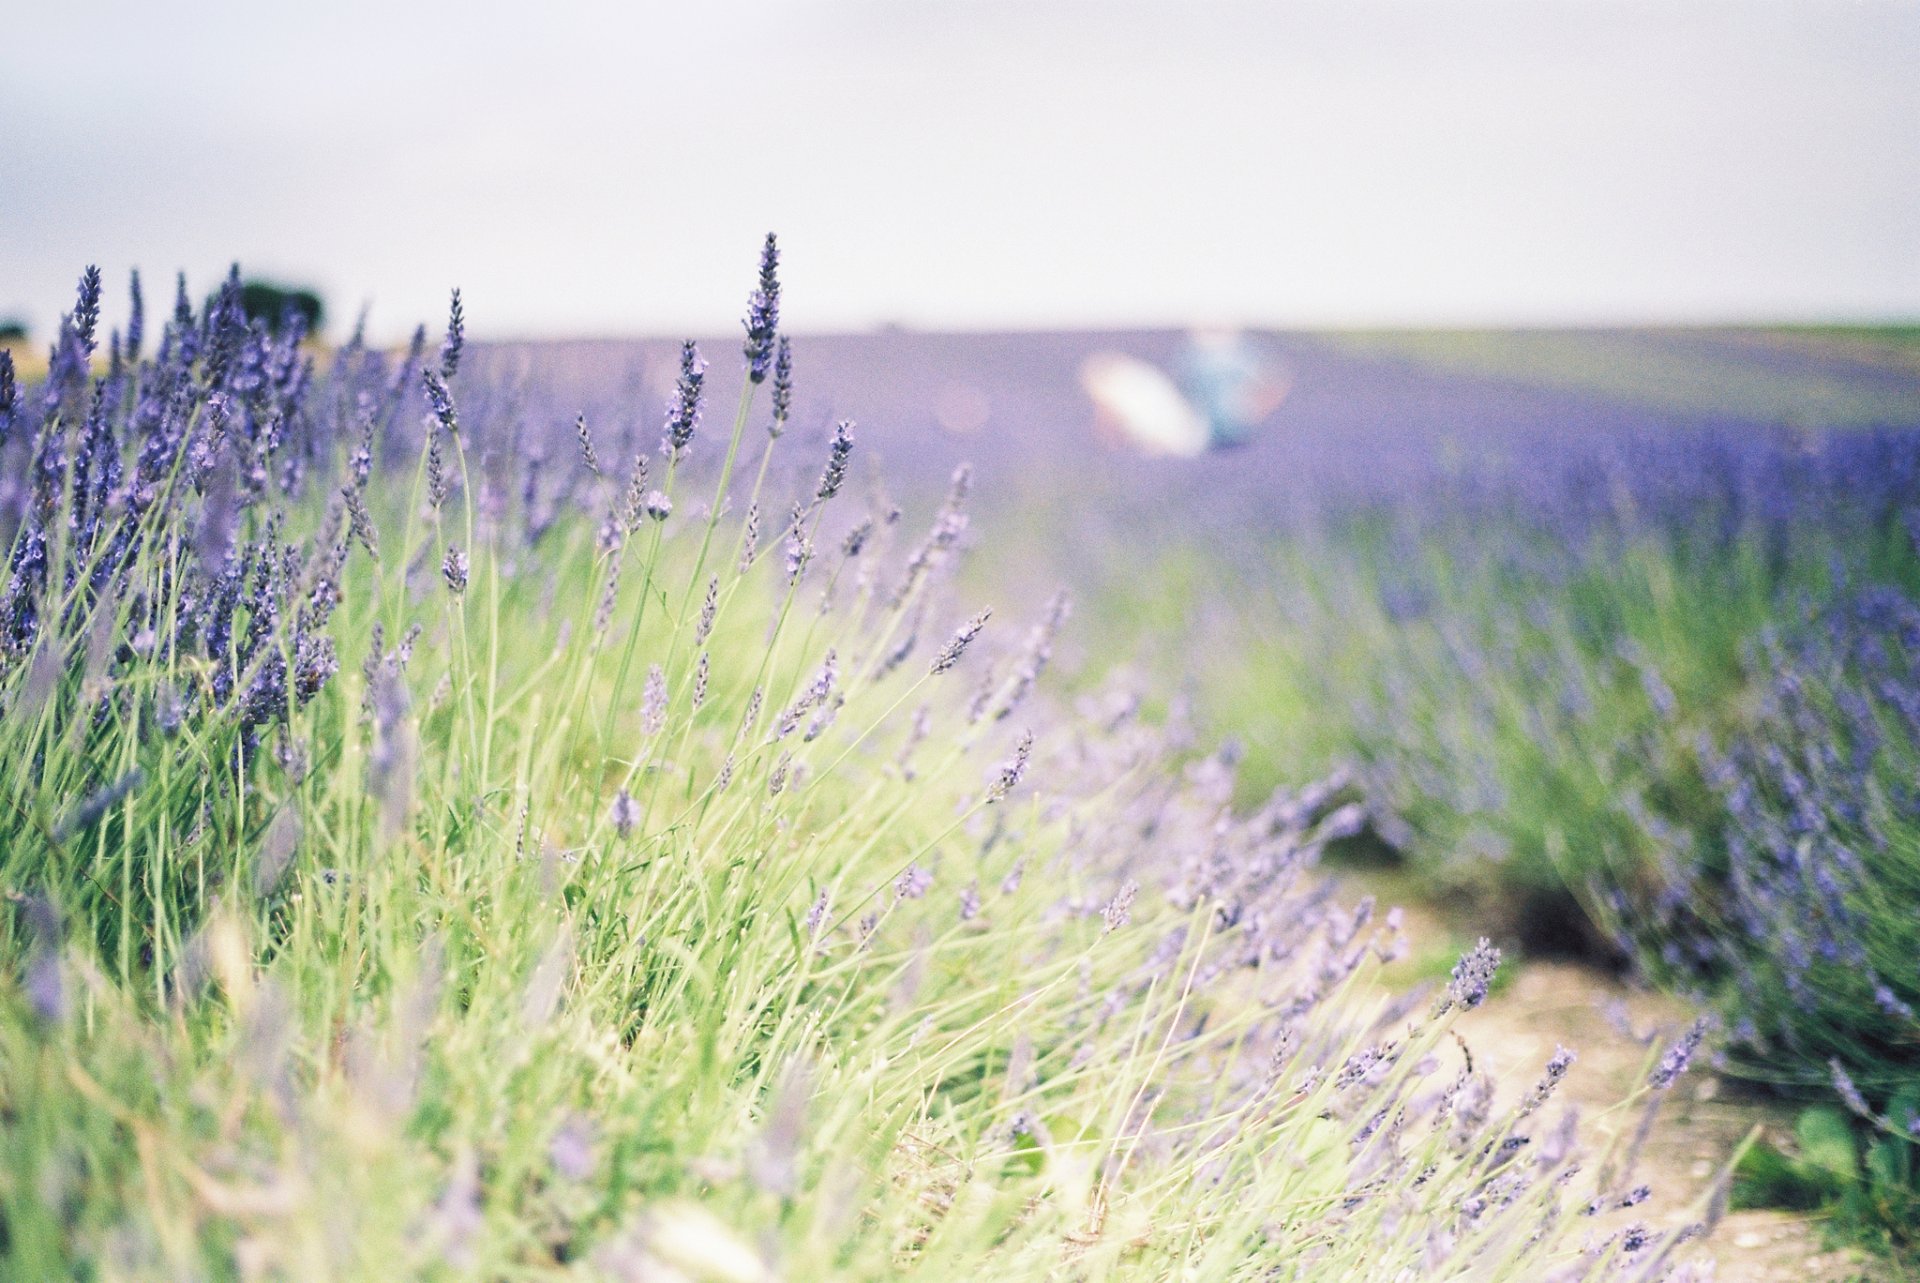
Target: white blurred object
[[1136, 404]]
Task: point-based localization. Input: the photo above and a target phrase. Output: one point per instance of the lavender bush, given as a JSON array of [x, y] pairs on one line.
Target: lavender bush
[[430, 856], [1653, 703]]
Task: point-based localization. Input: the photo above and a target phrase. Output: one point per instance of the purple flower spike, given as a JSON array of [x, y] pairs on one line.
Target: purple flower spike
[[763, 313]]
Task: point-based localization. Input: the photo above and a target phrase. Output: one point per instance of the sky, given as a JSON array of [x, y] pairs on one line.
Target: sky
[[610, 169]]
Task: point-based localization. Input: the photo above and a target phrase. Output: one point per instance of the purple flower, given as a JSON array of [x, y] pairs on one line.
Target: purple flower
[[456, 338], [957, 644], [1473, 974], [782, 387], [912, 883], [683, 411], [1674, 1063], [835, 473], [763, 313]]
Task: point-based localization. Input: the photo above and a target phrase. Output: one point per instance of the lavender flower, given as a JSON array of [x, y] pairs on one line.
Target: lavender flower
[[136, 320], [1849, 1094], [708, 609], [439, 400], [1007, 778], [1674, 1063], [912, 883], [835, 473], [957, 645], [658, 506], [1473, 975], [653, 702], [454, 569], [585, 437], [763, 313], [782, 388], [456, 338], [683, 411], [750, 538], [625, 813]]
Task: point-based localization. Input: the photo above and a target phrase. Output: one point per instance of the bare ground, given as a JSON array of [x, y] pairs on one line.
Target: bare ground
[[1704, 1119]]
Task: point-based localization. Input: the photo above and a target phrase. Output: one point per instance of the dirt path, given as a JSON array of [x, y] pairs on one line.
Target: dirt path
[[1546, 1004]]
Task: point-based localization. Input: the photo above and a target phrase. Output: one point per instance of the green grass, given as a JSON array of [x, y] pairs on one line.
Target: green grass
[[575, 931]]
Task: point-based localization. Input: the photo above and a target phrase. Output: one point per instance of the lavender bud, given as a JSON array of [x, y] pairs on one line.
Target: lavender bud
[[683, 411], [437, 484], [835, 473], [43, 982], [700, 682], [1473, 975], [454, 569], [1008, 776], [86, 311], [439, 400], [708, 608], [585, 438], [957, 645], [763, 313], [136, 321], [625, 813], [1119, 910], [970, 902], [635, 507], [818, 914], [360, 522], [96, 804], [799, 548], [1674, 1063], [653, 701], [1849, 1094], [456, 337], [782, 388], [750, 538], [912, 883]]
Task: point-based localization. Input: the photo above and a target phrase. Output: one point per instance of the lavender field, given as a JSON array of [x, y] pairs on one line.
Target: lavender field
[[541, 811]]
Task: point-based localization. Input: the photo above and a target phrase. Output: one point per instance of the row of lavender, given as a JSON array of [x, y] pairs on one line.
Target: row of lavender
[[1657, 698]]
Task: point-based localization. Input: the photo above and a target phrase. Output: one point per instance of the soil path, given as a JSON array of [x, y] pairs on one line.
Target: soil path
[[1610, 1026]]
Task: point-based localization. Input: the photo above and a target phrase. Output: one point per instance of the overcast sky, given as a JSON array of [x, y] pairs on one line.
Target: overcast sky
[[610, 168]]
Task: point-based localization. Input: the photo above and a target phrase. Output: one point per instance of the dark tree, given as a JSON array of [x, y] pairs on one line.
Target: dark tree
[[274, 304]]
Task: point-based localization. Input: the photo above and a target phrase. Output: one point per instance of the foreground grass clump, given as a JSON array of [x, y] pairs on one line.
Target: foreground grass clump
[[1662, 706], [423, 860]]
